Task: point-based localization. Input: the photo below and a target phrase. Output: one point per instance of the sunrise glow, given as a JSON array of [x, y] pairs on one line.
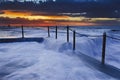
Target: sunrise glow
[[51, 19]]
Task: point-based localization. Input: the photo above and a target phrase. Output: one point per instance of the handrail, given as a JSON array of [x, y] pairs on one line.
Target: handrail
[[113, 38]]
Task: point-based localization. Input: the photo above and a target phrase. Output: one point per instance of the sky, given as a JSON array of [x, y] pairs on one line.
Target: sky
[[61, 13]]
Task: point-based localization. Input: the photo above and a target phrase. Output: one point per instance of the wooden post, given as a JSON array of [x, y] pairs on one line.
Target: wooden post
[[56, 33], [22, 31], [103, 48], [9, 25], [74, 40], [67, 33], [48, 31]]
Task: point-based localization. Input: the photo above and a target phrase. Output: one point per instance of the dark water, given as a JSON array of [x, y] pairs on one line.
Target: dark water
[[98, 27], [80, 27]]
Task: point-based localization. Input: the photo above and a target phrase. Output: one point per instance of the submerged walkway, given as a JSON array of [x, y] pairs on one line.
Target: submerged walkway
[[93, 63], [39, 59], [9, 40]]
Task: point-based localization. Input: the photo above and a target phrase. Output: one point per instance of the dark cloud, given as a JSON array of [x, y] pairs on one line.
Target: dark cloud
[[6, 20], [21, 21], [108, 22], [108, 9], [1, 12]]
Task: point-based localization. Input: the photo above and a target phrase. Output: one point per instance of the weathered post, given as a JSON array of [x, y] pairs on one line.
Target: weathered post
[[22, 31], [48, 31], [56, 33], [67, 33], [9, 25], [103, 48], [74, 40]]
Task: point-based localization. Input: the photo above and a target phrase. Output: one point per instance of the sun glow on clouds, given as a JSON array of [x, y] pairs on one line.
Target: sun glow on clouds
[[21, 14], [30, 16], [66, 19]]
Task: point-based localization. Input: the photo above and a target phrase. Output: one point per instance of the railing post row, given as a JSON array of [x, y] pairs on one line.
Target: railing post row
[[67, 33], [56, 33], [74, 40], [22, 31], [48, 31], [104, 48]]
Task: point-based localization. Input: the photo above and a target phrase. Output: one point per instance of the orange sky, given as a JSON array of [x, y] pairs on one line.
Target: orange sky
[[31, 19]]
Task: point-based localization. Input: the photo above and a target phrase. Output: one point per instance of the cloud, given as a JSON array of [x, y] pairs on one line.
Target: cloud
[[1, 12], [110, 10], [21, 21], [61, 13]]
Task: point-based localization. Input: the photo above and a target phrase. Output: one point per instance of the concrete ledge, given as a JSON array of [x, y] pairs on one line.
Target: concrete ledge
[[10, 40]]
